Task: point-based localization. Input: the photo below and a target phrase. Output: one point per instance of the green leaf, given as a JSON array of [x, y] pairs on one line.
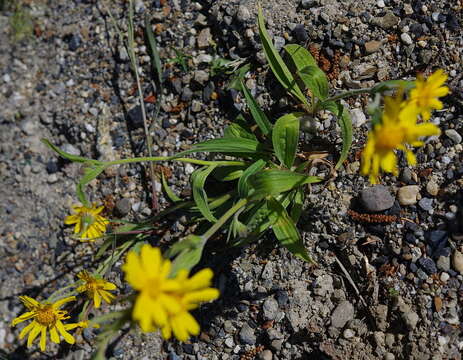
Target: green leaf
[[153, 50], [300, 56], [393, 84], [315, 80], [170, 194], [228, 173], [198, 179], [237, 131], [273, 182], [67, 155], [243, 185], [231, 145], [90, 173], [259, 116], [188, 253], [297, 202], [278, 66], [235, 81], [345, 122], [286, 232], [285, 137]]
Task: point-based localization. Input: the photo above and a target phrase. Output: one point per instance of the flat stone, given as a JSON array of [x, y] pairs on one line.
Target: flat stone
[[457, 260], [426, 204], [204, 38], [406, 38], [453, 135], [123, 206], [376, 198], [407, 194], [411, 319], [432, 188], [387, 21], [247, 335], [270, 308], [358, 117], [342, 314], [372, 46]]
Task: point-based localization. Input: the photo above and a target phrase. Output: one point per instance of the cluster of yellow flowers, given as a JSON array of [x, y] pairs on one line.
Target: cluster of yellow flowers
[[164, 302], [403, 123]]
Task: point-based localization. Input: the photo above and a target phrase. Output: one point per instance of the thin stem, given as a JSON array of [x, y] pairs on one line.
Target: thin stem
[[173, 158], [230, 212], [352, 92]]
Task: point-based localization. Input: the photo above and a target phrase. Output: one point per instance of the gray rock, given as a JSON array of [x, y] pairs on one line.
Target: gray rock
[[270, 308], [247, 335], [443, 263], [279, 42], [348, 334], [381, 316], [407, 40], [52, 178], [187, 94], [358, 117], [387, 21], [196, 106], [426, 204], [411, 319], [457, 260], [123, 206], [29, 127], [265, 355], [407, 194], [204, 38], [71, 149], [454, 135], [376, 198], [201, 76], [324, 285], [307, 4], [243, 14], [342, 314]]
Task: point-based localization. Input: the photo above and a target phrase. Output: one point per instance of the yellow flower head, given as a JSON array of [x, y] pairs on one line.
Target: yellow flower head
[[164, 302], [89, 225], [398, 130], [96, 288], [427, 92], [45, 317]]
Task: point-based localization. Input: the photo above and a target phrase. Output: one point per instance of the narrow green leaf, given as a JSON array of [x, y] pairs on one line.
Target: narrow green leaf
[[278, 66], [285, 138], [188, 253], [232, 145], [259, 116], [153, 50], [90, 173], [170, 194], [228, 173], [300, 56], [66, 155], [243, 185], [198, 179], [345, 122], [273, 182], [235, 81], [237, 131], [286, 232], [315, 80], [297, 204]]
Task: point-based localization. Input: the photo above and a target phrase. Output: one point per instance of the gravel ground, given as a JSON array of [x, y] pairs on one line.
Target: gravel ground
[[381, 291]]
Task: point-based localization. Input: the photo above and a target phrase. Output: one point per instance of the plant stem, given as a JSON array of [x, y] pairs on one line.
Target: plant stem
[[173, 158], [352, 92], [230, 212]]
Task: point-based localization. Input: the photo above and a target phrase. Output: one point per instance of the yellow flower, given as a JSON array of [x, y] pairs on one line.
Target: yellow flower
[[427, 92], [89, 225], [95, 288], [45, 317], [164, 302], [397, 131]]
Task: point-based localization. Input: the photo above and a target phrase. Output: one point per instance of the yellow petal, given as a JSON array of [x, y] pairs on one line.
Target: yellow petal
[[142, 312], [134, 273], [43, 338], [202, 295], [71, 219], [109, 286], [61, 302], [166, 331], [26, 330], [29, 302], [151, 260], [78, 227], [23, 317], [179, 329], [158, 313], [68, 337], [200, 280], [34, 332], [389, 162], [411, 159], [54, 335], [108, 297], [190, 323]]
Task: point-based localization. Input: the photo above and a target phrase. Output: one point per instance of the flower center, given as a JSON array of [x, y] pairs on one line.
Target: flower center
[[389, 139], [87, 220], [46, 315], [154, 286]]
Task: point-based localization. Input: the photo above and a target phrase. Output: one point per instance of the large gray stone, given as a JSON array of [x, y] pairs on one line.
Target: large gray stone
[[376, 198]]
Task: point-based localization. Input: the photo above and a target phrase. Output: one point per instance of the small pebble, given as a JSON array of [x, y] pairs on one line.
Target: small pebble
[[457, 261], [454, 135], [406, 39], [407, 194], [432, 188]]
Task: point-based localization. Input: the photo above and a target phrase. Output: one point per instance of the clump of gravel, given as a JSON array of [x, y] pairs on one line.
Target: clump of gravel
[[381, 290]]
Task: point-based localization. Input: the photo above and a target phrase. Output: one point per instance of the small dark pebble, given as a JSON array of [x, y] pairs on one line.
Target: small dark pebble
[[437, 238], [135, 117], [74, 42], [52, 167], [428, 265], [413, 267], [300, 33], [188, 348], [187, 94]]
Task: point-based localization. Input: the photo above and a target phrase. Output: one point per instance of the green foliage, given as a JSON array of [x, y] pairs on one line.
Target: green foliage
[[20, 21], [181, 59], [285, 138]]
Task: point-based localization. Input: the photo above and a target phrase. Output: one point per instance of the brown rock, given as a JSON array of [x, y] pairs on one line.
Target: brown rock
[[372, 46]]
